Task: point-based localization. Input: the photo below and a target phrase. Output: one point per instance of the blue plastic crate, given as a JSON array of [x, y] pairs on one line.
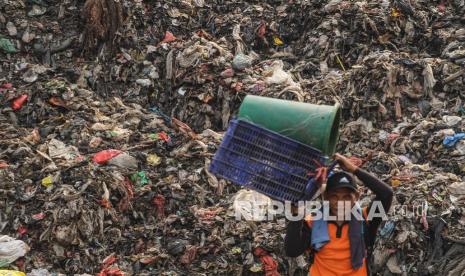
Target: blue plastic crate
[[266, 161]]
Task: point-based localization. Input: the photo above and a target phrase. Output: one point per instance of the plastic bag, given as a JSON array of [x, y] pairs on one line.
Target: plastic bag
[[251, 205], [104, 156], [278, 75], [11, 249], [7, 46], [450, 141], [451, 120]]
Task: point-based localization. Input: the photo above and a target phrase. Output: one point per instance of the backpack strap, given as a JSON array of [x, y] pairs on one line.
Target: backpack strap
[[311, 253], [369, 241]]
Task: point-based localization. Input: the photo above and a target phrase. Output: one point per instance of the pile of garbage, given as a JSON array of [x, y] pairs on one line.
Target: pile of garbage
[[110, 112]]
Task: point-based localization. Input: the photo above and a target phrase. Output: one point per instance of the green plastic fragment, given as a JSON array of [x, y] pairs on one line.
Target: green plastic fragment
[[7, 46], [139, 178]]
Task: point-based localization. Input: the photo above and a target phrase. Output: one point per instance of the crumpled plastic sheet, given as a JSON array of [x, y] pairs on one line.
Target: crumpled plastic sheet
[[11, 249]]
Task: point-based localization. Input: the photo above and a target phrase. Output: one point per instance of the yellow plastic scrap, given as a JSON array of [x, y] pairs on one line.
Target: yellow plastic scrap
[[395, 182], [11, 273], [277, 41], [256, 268], [153, 160], [236, 250], [395, 12], [47, 182]]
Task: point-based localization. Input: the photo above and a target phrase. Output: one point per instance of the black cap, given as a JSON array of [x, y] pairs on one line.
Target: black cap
[[341, 180]]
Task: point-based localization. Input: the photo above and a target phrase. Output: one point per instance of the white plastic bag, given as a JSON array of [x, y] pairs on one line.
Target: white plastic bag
[[276, 74], [11, 249], [451, 120], [251, 205]]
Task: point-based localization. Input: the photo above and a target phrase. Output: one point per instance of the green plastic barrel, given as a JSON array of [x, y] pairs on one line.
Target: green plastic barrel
[[314, 125]]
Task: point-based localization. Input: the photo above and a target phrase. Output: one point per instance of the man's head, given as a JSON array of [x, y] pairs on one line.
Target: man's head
[[340, 187]]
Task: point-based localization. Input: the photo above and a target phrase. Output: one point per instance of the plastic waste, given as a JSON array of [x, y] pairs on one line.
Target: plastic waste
[[236, 250], [270, 265], [164, 137], [28, 36], [276, 75], [11, 249], [160, 136], [144, 82], [22, 230], [104, 156], [153, 160], [11, 28], [139, 179], [19, 102], [47, 181], [241, 62], [123, 160], [38, 216], [251, 205], [450, 141], [169, 37], [6, 86], [41, 272], [382, 60], [387, 229], [12, 273], [58, 150], [7, 46], [451, 120], [30, 76], [277, 41], [37, 10]]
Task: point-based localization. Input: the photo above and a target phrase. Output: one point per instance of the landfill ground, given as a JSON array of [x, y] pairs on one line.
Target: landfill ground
[[111, 111]]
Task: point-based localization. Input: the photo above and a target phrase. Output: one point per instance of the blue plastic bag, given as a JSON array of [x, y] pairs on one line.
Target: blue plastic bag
[[450, 141]]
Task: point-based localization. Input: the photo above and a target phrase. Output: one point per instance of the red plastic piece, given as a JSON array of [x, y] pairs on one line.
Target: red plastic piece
[[105, 155], [163, 136], [169, 37], [19, 102]]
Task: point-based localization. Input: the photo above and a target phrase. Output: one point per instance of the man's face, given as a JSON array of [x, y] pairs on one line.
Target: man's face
[[338, 197]]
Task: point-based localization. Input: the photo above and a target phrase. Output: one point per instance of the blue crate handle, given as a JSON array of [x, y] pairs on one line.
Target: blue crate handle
[[311, 181]]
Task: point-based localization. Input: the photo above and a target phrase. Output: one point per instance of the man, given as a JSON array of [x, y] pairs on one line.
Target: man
[[339, 245]]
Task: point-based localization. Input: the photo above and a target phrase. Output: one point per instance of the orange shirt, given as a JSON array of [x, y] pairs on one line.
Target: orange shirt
[[333, 259]]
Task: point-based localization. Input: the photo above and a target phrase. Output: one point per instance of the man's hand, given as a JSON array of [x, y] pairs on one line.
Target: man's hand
[[345, 163]]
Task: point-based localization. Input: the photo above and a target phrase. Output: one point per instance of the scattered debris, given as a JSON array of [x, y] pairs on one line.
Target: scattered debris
[[110, 111]]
